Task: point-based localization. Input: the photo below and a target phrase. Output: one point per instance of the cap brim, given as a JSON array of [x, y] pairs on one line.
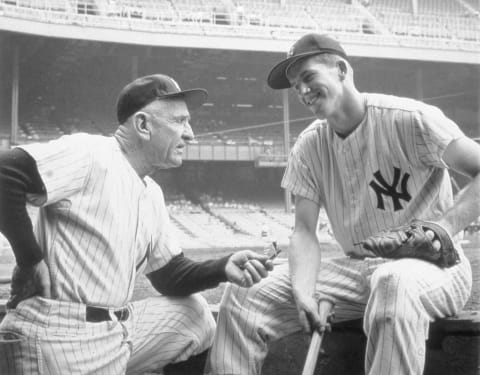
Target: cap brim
[[277, 78], [193, 97]]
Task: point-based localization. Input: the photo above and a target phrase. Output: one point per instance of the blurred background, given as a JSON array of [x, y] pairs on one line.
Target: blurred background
[[63, 62]]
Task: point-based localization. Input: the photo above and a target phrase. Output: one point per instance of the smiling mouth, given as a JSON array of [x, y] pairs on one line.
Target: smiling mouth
[[311, 100]]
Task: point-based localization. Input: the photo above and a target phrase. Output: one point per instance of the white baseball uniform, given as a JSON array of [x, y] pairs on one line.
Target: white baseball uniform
[[388, 171], [99, 225]]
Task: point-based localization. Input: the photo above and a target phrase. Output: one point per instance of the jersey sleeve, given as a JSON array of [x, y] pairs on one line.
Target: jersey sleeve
[[433, 132], [298, 177], [164, 244], [63, 164]]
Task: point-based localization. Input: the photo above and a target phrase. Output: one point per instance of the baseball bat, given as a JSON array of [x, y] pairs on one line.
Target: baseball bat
[[325, 308], [312, 354]]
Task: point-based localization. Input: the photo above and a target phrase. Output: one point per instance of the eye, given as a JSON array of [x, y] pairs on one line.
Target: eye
[[308, 77]]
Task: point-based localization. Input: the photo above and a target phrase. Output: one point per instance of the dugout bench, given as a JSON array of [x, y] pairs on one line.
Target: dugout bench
[[453, 348]]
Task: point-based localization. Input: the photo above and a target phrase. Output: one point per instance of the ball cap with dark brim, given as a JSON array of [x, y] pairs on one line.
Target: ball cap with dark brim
[[144, 90], [307, 45]]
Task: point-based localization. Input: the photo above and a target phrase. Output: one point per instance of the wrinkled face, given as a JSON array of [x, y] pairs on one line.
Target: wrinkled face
[[170, 133], [319, 86]]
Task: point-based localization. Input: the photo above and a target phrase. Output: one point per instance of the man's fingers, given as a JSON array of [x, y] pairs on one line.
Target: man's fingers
[[45, 291], [430, 234], [252, 271], [435, 243], [260, 268], [248, 281], [302, 317]]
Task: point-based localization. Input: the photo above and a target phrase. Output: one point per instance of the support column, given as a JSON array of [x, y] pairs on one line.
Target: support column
[[15, 90], [286, 144], [134, 67], [419, 82]]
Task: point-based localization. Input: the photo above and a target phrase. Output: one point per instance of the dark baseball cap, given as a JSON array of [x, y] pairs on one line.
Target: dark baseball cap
[[307, 45], [144, 90]]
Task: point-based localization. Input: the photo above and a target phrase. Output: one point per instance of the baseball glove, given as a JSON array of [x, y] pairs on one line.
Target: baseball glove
[[410, 241]]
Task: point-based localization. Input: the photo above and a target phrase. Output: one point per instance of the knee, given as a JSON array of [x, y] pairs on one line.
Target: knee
[[236, 300], [393, 298], [202, 318]]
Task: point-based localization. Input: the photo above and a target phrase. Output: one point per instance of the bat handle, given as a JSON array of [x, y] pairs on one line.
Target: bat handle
[[325, 308], [312, 354]]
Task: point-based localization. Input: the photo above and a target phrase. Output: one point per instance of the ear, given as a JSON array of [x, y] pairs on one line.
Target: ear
[[141, 124], [342, 67]]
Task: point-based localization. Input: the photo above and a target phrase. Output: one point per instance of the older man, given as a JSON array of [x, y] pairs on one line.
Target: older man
[[102, 221]]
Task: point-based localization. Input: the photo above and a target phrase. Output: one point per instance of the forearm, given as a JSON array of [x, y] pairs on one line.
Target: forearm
[[466, 208], [19, 175], [304, 262], [183, 276]]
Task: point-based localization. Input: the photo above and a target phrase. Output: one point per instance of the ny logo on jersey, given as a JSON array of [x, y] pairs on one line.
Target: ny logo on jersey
[[381, 188]]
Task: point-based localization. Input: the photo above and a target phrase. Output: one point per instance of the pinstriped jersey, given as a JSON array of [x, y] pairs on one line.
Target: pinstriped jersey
[[99, 221], [388, 171]]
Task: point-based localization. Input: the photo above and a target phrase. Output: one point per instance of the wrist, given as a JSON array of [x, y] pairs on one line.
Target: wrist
[[28, 260]]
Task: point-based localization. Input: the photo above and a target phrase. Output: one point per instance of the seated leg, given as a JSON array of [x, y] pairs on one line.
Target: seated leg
[[169, 330]]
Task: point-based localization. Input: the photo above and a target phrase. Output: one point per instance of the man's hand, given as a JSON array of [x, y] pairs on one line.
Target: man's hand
[[314, 315], [246, 268], [308, 315], [28, 282]]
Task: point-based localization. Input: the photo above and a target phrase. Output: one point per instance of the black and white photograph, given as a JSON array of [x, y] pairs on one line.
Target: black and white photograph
[[240, 187]]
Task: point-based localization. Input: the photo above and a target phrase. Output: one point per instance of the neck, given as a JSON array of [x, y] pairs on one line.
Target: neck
[[132, 148], [350, 115]]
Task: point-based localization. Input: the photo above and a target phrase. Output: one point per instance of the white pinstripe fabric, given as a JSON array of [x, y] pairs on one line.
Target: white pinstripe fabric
[[336, 172], [58, 340], [398, 298], [99, 219], [96, 224]]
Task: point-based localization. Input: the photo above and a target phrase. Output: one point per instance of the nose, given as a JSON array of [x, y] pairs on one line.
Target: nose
[[187, 134]]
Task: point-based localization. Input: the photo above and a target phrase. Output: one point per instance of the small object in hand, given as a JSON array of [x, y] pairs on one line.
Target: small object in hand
[[412, 241], [272, 251]]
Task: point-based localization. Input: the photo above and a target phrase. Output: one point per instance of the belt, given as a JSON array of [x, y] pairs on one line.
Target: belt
[[98, 314]]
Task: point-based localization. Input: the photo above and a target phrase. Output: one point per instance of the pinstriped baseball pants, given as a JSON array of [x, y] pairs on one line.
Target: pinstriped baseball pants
[[56, 339], [397, 299]]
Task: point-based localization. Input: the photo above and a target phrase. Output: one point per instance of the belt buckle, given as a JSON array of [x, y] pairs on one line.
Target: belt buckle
[[121, 315]]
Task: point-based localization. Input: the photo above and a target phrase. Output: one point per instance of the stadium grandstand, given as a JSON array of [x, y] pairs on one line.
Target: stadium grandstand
[[62, 60]]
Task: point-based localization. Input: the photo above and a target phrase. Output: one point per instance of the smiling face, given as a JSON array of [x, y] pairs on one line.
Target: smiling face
[[319, 84], [170, 132]]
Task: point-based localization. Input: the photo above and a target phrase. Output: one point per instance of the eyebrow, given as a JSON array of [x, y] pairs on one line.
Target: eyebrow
[[180, 118]]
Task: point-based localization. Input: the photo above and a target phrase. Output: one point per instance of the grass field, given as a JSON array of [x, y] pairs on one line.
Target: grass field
[[144, 289]]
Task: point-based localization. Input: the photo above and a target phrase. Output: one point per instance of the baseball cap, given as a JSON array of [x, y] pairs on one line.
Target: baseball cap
[[144, 90], [307, 45]]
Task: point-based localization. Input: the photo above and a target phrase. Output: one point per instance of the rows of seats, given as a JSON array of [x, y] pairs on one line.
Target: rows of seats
[[230, 224], [328, 15]]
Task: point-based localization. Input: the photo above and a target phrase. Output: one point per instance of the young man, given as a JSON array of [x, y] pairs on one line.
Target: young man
[[102, 221], [374, 162]]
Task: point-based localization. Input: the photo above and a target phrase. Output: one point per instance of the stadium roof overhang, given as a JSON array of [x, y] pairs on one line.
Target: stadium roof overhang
[[182, 36]]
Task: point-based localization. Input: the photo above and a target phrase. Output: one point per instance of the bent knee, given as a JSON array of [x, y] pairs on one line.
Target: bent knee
[[236, 298], [392, 280], [202, 313]]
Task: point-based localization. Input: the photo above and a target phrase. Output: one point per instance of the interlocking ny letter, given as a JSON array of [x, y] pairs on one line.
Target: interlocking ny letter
[[390, 190]]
